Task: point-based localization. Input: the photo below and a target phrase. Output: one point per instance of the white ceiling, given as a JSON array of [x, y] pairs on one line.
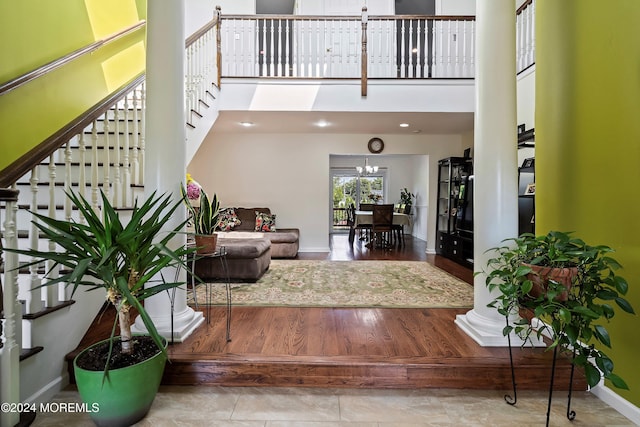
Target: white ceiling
[[375, 123]]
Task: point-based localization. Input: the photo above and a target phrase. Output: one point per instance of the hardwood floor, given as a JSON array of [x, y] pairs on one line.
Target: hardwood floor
[[354, 347]]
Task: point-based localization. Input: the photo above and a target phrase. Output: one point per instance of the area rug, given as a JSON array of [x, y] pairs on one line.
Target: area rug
[[303, 283]]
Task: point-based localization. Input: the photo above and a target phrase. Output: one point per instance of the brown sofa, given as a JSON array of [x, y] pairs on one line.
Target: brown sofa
[[284, 241], [249, 252]]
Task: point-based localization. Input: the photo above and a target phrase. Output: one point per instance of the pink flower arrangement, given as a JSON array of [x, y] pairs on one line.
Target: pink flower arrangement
[[193, 191]]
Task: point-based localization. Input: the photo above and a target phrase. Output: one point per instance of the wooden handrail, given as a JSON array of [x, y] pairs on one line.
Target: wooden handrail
[[25, 163], [349, 17], [524, 6], [47, 68]]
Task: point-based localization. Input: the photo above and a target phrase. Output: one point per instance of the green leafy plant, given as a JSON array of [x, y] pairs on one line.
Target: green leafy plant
[[103, 253], [573, 318], [206, 217], [406, 197]]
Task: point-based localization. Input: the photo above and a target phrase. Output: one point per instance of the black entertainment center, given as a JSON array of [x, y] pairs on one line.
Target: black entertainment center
[[454, 233]]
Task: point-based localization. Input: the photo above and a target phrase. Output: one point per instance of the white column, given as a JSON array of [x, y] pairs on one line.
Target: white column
[[495, 157], [166, 147]]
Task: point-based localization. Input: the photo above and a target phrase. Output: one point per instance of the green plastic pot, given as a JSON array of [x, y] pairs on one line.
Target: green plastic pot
[[125, 396]]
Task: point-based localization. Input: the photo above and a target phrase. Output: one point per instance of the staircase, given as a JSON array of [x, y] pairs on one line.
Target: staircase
[[102, 152]]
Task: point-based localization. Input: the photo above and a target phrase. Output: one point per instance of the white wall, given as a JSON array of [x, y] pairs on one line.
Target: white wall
[[344, 7], [290, 174], [197, 13], [237, 7], [455, 7]]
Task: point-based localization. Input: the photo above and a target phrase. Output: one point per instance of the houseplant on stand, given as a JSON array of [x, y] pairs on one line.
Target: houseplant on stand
[[406, 199], [122, 373], [205, 214], [570, 285]]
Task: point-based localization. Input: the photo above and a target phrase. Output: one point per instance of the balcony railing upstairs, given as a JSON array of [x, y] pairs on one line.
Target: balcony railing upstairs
[[359, 47]]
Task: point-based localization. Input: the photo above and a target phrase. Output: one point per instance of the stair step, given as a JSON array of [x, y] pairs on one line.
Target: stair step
[[48, 310], [26, 353]]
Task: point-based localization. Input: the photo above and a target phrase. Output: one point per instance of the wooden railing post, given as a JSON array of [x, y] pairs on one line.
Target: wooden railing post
[[364, 62]]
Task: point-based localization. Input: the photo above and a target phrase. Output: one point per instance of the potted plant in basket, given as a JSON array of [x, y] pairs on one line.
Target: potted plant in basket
[[570, 285], [118, 377], [205, 214]]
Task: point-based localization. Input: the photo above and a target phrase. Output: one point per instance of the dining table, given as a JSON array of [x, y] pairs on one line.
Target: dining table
[[365, 218]]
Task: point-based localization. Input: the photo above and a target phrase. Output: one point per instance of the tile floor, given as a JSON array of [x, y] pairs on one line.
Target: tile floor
[[316, 407]]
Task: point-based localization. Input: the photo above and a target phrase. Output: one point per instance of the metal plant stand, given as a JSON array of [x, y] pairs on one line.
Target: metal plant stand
[[511, 400]]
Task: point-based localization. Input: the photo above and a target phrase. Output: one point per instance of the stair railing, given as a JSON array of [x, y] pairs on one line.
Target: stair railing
[[525, 35]]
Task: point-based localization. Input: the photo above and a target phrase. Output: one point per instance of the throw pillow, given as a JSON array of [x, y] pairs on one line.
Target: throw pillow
[[228, 219], [265, 222]]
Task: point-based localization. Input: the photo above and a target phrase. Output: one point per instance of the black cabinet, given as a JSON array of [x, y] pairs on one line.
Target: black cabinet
[[526, 196], [454, 222]]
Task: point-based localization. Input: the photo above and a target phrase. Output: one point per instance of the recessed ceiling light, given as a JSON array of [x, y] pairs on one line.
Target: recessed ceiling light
[[322, 123], [246, 124], [404, 125]]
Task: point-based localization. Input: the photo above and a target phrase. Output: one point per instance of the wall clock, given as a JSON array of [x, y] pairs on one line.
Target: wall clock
[[375, 145]]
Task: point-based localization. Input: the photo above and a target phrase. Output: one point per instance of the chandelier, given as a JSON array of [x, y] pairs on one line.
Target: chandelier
[[366, 170]]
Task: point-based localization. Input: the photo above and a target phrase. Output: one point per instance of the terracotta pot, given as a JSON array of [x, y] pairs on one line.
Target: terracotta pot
[[541, 275], [206, 244]]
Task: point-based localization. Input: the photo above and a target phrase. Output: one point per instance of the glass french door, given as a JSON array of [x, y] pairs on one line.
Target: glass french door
[[348, 188]]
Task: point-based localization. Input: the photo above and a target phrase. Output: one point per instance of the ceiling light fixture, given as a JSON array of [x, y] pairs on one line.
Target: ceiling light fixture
[[404, 125], [322, 123], [246, 124], [366, 170]]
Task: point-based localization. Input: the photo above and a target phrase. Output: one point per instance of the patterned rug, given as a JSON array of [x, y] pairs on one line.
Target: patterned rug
[[302, 283]]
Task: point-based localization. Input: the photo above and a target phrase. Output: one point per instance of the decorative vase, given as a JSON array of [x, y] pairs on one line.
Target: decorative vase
[[206, 244], [125, 395], [540, 276]]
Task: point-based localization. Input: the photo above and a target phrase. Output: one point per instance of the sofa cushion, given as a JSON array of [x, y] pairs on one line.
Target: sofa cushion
[[228, 219], [247, 217], [265, 222], [284, 235], [244, 247]]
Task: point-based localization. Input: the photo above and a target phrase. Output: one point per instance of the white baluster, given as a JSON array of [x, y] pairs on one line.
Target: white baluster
[[263, 49], [287, 63], [465, 70], [296, 53], [456, 39], [433, 56], [402, 50], [67, 179], [143, 107], [135, 161], [410, 64], [49, 292], [10, 360], [82, 179], [117, 180], [126, 178], [94, 166], [106, 166], [33, 299], [531, 37], [418, 50], [271, 49]]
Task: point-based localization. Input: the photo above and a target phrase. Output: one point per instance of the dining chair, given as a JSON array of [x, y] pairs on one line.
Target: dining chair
[[382, 226]]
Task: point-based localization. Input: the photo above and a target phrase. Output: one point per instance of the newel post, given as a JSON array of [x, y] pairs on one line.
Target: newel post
[[364, 62]]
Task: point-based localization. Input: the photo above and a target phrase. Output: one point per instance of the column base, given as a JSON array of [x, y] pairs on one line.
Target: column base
[[184, 323], [487, 332]]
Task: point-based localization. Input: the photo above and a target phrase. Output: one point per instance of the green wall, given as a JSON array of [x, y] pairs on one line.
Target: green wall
[[35, 32], [588, 143]]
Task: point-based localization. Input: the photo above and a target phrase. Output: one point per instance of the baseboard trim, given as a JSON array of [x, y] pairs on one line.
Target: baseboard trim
[[617, 402], [48, 391]]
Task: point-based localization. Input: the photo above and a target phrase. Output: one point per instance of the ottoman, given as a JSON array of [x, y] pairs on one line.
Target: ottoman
[[247, 260]]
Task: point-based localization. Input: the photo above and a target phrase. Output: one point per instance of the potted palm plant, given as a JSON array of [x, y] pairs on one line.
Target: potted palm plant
[[205, 214], [570, 285], [119, 377]]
